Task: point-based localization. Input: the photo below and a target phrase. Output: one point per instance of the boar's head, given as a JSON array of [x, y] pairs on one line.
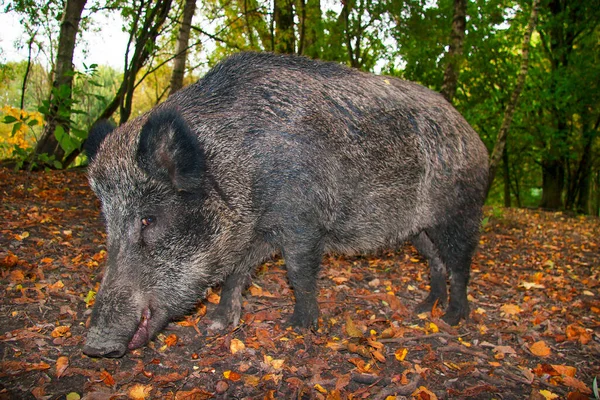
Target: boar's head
[[150, 176]]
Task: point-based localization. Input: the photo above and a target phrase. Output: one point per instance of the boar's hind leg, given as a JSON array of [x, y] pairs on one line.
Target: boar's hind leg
[[302, 263], [456, 240], [229, 309], [438, 292]]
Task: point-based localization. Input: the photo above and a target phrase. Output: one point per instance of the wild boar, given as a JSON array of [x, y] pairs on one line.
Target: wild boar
[[271, 153]]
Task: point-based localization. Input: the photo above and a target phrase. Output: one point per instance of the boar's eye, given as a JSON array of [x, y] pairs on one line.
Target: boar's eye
[[147, 221]]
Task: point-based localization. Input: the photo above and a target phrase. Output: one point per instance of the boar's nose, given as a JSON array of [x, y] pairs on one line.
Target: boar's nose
[[114, 351]]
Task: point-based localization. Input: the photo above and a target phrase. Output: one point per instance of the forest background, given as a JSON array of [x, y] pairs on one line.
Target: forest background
[[524, 73]]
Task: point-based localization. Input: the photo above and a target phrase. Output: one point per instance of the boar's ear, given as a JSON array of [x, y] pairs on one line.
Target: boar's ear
[[96, 136], [169, 151]]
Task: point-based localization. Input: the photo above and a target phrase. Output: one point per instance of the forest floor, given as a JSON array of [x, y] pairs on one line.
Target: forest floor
[[533, 332]]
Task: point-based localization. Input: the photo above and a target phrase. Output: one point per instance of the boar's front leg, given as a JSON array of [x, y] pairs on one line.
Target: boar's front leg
[[303, 260], [229, 309]]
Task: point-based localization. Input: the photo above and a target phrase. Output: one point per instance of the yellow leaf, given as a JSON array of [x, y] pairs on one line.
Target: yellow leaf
[[61, 365], [320, 388], [140, 392], [540, 349], [433, 328], [277, 364], [510, 309], [351, 328], [548, 395], [236, 345], [401, 353], [232, 375]]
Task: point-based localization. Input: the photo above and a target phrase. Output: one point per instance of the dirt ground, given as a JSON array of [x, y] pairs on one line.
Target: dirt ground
[[534, 329]]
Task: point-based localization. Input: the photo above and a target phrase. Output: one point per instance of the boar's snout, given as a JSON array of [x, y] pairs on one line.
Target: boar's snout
[[98, 350]]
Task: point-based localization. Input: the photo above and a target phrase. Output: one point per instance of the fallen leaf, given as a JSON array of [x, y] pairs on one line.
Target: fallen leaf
[[576, 384], [548, 395], [510, 309], [320, 389], [540, 349], [61, 331], [422, 393], [61, 365], [232, 375], [171, 340], [107, 378], [140, 392], [236, 345], [351, 328], [401, 353]]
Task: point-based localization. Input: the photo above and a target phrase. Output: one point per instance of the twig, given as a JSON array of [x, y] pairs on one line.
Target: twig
[[405, 390], [462, 349], [423, 337]]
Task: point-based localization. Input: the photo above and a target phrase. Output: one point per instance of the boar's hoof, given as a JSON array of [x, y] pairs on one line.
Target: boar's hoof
[[112, 351], [305, 320], [427, 304], [454, 315]]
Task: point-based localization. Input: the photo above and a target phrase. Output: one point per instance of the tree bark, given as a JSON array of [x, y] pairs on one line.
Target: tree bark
[[454, 55], [27, 69], [63, 76], [512, 104], [182, 46], [553, 178], [283, 14], [310, 28], [154, 18], [506, 178]]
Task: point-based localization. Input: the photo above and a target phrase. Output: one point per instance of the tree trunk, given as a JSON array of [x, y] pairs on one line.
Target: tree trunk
[[310, 29], [553, 173], [283, 14], [27, 69], [584, 171], [512, 104], [59, 110], [154, 18], [182, 46], [506, 179], [457, 37], [153, 21]]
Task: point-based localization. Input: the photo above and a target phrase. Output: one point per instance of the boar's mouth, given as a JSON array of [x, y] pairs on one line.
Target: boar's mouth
[[142, 332]]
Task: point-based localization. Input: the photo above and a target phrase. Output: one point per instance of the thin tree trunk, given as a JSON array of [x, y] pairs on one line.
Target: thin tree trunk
[[63, 76], [512, 104], [506, 178], [182, 46], [154, 19], [283, 14], [584, 171], [27, 69], [553, 178], [457, 37]]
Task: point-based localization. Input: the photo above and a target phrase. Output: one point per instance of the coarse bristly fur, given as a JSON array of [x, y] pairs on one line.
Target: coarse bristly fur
[[271, 153]]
